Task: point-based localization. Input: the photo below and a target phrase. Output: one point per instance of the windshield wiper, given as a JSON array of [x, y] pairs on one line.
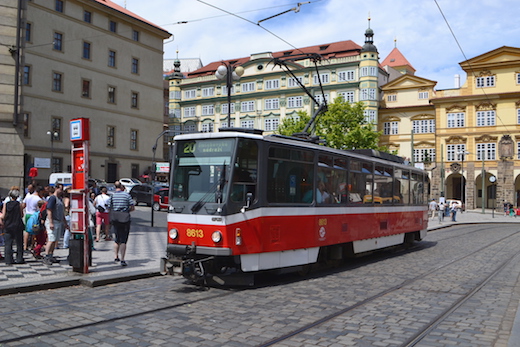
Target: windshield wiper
[[216, 187]]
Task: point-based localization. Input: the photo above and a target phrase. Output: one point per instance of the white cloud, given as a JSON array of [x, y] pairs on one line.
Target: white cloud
[[421, 31]]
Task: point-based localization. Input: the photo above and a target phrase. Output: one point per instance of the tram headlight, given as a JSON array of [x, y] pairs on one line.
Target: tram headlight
[[173, 233], [216, 236]]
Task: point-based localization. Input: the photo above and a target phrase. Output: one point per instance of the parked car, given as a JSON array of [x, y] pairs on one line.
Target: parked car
[[141, 193], [129, 183], [160, 199]]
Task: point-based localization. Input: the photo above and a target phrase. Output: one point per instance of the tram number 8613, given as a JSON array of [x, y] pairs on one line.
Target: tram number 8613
[[199, 233]]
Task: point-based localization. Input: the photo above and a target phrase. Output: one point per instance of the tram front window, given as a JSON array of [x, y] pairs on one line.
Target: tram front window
[[200, 169]]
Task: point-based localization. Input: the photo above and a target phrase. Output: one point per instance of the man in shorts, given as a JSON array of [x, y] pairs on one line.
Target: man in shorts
[[55, 223]]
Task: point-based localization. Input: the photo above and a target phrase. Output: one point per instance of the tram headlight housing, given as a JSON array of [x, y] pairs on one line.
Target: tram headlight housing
[[174, 234], [216, 236]]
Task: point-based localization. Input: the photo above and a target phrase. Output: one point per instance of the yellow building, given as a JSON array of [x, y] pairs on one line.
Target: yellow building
[[467, 137]]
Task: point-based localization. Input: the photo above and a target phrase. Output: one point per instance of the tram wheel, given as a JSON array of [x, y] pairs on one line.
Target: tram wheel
[[304, 270]]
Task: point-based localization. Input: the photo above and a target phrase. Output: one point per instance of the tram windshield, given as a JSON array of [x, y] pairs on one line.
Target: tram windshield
[[200, 169]]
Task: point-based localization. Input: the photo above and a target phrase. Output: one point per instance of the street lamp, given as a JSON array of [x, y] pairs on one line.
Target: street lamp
[[54, 135], [462, 155], [230, 73]]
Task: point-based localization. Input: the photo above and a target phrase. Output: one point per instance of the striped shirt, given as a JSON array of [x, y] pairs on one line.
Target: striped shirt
[[120, 201]]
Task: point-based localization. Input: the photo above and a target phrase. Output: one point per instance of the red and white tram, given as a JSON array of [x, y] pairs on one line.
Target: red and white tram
[[241, 202]]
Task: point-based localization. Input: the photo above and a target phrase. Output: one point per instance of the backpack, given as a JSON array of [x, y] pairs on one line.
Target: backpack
[[33, 224], [42, 216]]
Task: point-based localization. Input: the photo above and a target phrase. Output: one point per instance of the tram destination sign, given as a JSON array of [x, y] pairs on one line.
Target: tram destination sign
[[204, 148]]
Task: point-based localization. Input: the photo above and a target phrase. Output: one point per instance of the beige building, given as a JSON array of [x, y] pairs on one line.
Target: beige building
[[93, 59], [266, 93]]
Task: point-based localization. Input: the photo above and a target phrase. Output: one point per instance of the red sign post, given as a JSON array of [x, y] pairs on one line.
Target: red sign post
[[79, 136]]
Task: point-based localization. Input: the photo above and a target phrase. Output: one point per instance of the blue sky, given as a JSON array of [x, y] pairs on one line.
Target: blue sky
[[421, 31]]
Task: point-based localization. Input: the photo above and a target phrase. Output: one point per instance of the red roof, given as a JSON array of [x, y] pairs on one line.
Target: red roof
[[123, 10], [395, 59], [327, 51]]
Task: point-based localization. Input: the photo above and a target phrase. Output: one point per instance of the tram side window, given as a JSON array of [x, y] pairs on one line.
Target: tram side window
[[326, 180], [383, 184], [245, 171], [290, 176], [417, 190], [402, 185], [369, 197], [357, 182], [340, 185]]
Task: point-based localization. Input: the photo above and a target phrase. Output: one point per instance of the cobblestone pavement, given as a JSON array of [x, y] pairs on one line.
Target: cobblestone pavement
[[164, 311]]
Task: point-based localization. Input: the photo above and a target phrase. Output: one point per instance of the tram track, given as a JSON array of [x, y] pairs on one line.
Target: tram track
[[417, 337]]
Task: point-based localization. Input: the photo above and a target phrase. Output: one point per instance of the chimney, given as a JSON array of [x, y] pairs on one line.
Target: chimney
[[457, 81]]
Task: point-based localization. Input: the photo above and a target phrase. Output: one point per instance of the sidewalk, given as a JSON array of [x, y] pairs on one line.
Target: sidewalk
[[146, 246]]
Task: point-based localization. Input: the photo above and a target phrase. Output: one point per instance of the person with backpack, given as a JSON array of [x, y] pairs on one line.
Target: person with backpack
[[11, 221], [55, 223], [102, 216], [35, 227]]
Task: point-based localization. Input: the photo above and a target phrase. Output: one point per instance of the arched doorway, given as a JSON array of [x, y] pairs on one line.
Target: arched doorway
[[455, 184], [517, 191], [489, 189]]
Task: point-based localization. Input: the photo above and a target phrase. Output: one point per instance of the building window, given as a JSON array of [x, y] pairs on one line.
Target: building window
[[224, 90], [518, 78], [135, 100], [189, 128], [57, 82], [208, 110], [86, 50], [423, 126], [85, 88], [250, 123], [28, 32], [291, 82], [26, 80], [518, 115], [112, 26], [272, 84], [319, 98], [26, 124], [456, 120], [56, 128], [135, 35], [135, 65], [424, 95], [368, 94], [248, 87], [111, 136], [370, 116], [57, 44], [486, 151], [324, 77], [207, 92], [207, 127], [247, 106], [87, 16], [56, 164], [189, 111], [272, 104], [486, 81], [190, 94], [344, 76], [485, 118], [390, 128], [295, 101], [111, 95], [391, 97], [224, 108], [271, 124], [453, 150], [424, 155], [58, 5], [348, 96], [368, 71], [112, 58], [133, 139]]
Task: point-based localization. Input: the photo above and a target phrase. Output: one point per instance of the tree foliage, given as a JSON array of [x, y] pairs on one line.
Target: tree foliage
[[342, 126]]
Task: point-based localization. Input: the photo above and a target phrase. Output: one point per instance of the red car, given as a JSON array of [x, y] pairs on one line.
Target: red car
[[160, 199]]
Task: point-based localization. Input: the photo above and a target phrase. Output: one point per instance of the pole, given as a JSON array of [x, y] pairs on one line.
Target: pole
[[442, 170], [229, 83], [152, 192], [483, 184]]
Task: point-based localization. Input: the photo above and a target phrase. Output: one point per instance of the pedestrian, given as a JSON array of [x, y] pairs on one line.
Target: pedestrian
[[54, 223], [102, 214], [442, 207], [120, 205], [30, 206], [66, 205], [453, 211], [11, 221], [433, 207]]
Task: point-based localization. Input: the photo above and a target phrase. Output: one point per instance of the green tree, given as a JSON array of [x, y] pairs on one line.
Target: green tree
[[342, 126]]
